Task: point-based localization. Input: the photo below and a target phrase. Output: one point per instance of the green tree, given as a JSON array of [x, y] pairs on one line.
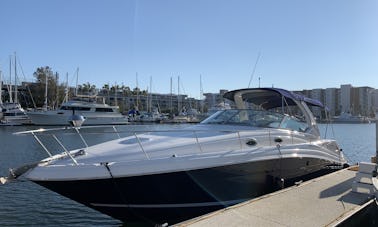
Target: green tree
[[105, 87], [86, 89], [55, 92], [126, 91]]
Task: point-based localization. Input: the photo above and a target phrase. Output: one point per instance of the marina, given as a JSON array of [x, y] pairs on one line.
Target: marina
[[239, 113], [251, 158], [268, 142], [28, 204]]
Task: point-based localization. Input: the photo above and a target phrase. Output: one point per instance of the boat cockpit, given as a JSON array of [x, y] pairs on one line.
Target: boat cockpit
[[257, 118], [268, 108]]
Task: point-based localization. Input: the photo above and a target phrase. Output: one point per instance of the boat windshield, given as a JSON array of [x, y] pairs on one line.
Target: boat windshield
[[257, 118]]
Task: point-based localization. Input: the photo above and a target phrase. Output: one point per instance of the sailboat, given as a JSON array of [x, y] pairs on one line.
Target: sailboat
[[13, 113], [184, 115]]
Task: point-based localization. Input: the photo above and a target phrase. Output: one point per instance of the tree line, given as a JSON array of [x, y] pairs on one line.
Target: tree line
[[32, 95]]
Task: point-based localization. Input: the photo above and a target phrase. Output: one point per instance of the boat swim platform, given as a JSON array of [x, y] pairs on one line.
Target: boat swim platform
[[324, 201]]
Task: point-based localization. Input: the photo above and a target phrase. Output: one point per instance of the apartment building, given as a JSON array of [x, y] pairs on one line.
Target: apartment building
[[347, 99]]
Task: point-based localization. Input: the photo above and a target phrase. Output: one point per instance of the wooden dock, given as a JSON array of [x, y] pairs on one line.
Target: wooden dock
[[324, 201]]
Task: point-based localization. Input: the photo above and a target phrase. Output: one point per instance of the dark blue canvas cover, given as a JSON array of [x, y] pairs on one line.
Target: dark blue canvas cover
[[269, 98]]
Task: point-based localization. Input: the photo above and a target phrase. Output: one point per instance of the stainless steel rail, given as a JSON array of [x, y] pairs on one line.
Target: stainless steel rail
[[240, 139]]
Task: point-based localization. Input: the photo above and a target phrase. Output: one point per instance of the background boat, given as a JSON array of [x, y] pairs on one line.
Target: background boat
[[13, 114], [94, 113], [349, 118]]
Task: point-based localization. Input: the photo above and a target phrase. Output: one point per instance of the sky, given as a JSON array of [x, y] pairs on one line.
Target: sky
[[219, 44]]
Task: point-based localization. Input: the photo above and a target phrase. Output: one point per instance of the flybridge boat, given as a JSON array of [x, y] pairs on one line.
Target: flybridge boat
[[269, 141], [93, 113]]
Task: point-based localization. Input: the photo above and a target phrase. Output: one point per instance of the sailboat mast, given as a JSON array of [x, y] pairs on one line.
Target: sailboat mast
[[115, 94], [201, 94], [1, 88], [57, 90], [10, 80], [178, 95], [66, 89], [15, 79], [137, 100], [170, 102], [46, 83], [150, 95], [77, 80]]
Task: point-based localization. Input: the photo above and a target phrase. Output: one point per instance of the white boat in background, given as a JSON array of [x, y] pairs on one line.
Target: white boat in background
[[185, 116], [13, 114], [94, 114], [181, 119], [164, 177], [351, 119], [146, 117]]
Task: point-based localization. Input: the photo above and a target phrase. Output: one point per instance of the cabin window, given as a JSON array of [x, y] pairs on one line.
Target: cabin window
[[13, 114], [80, 108], [104, 110], [294, 124]]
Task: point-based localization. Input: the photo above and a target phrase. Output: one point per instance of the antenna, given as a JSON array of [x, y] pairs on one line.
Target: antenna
[[254, 69]]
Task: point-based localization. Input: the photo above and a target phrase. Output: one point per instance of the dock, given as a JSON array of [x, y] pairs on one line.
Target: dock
[[323, 201]]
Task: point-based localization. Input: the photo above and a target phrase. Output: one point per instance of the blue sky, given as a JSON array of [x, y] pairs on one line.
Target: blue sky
[[302, 44]]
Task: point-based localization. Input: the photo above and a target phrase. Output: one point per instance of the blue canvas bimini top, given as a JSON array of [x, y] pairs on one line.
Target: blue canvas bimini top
[[269, 98]]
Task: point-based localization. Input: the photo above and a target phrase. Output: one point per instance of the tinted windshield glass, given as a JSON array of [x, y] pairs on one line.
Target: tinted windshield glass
[[256, 118]]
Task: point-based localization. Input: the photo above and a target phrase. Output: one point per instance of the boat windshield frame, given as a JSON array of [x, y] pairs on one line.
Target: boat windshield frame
[[257, 118]]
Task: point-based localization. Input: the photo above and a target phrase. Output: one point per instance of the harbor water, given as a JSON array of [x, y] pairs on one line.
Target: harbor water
[[23, 203]]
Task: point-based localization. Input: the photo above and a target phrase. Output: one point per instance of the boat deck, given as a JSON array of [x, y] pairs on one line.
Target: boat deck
[[323, 201]]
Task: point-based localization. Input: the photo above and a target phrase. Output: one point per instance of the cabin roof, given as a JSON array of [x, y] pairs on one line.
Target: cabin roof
[[269, 98]]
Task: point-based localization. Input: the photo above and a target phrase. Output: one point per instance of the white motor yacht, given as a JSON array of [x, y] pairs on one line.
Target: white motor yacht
[[93, 113], [269, 141]]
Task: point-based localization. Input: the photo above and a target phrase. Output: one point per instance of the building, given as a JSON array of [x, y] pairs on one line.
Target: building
[[345, 98], [214, 99], [331, 99], [317, 94]]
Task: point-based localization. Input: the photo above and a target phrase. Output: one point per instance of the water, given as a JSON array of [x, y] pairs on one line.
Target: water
[[23, 203], [356, 140]]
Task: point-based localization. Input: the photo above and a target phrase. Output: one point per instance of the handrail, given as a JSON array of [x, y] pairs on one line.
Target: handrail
[[141, 147], [65, 150], [200, 144], [40, 143]]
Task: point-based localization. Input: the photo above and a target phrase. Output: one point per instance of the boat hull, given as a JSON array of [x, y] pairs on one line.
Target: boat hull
[[178, 196]]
